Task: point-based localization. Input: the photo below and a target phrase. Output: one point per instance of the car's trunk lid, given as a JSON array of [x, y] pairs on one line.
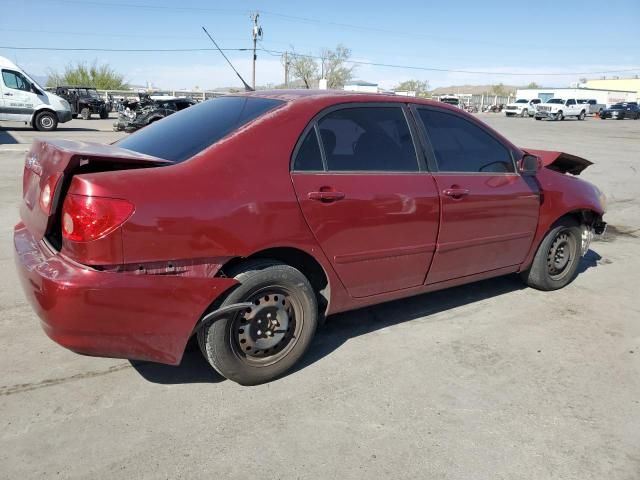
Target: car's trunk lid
[[560, 161], [49, 166]]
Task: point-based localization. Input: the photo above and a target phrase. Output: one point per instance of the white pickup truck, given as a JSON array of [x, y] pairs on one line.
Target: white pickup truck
[[522, 107], [592, 105], [559, 109]]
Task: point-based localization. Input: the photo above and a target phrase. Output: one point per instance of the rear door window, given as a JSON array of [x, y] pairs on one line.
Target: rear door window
[[183, 134], [368, 139], [308, 158], [461, 146]]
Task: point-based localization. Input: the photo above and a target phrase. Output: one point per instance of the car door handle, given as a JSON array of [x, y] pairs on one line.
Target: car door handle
[[455, 192], [9, 94], [325, 196]]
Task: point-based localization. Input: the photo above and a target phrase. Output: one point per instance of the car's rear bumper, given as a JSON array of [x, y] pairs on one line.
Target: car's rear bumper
[[122, 315]]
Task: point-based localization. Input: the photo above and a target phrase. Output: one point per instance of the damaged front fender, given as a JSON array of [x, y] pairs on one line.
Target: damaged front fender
[[560, 161]]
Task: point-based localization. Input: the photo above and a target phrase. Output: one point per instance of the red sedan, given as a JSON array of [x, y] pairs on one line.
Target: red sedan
[[247, 219]]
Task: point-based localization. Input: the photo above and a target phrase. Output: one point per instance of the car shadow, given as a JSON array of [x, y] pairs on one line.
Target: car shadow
[[340, 328]]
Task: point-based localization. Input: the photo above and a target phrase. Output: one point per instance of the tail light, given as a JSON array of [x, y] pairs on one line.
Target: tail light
[[89, 218], [48, 192]]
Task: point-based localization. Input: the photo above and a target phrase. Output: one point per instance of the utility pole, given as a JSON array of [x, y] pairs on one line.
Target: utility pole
[[285, 60], [257, 35]]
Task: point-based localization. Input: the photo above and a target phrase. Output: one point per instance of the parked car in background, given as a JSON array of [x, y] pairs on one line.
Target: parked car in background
[[246, 219], [559, 109], [84, 101], [592, 105], [150, 110], [620, 111], [451, 100], [23, 100], [522, 107]]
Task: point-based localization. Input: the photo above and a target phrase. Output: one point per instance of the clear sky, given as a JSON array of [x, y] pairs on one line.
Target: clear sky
[[559, 37]]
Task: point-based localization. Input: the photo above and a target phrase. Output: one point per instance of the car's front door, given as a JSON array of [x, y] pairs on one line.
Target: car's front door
[[18, 99], [369, 203], [489, 212]]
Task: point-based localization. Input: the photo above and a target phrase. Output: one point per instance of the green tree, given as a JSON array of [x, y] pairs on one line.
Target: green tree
[[102, 77], [499, 90], [305, 68], [533, 85], [334, 66], [419, 86]]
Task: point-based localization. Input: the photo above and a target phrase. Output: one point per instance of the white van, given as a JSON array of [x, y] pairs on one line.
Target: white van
[[23, 100]]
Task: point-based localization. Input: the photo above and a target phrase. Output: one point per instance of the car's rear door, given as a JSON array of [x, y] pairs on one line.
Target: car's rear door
[[366, 197], [489, 212]]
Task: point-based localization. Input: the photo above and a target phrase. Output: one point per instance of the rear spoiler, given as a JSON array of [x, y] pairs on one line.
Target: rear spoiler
[[560, 161]]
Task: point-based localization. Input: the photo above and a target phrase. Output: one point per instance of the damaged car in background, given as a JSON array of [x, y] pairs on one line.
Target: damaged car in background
[[148, 110]]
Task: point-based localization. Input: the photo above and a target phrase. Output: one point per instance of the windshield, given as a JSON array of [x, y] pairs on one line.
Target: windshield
[[522, 100], [555, 100], [617, 107], [187, 132]]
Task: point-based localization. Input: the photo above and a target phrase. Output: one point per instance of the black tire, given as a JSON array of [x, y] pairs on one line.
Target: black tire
[[556, 261], [45, 121], [538, 118], [85, 113], [74, 115], [559, 115], [582, 115], [104, 113], [235, 345], [525, 113]]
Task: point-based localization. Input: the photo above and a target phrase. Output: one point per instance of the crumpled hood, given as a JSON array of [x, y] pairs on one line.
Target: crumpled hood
[[560, 161]]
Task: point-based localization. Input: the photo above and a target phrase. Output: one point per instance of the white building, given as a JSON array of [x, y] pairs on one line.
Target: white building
[[607, 97], [361, 86]]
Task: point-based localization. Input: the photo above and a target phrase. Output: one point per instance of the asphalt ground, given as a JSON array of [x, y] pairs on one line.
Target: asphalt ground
[[485, 381]]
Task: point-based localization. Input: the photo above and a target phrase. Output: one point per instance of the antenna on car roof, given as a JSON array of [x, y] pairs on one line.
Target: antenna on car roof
[[246, 85]]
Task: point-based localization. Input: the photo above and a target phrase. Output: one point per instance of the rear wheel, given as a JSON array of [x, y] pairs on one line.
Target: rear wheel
[[104, 113], [582, 115], [45, 121], [263, 342], [556, 261], [85, 113]]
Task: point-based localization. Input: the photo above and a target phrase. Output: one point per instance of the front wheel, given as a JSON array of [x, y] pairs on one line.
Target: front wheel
[[104, 113], [85, 113], [556, 261], [525, 113], [261, 343], [45, 121]]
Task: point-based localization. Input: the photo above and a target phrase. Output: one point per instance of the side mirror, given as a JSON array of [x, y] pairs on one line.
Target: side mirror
[[529, 165], [36, 90]]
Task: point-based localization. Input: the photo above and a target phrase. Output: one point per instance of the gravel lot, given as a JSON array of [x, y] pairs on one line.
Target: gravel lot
[[486, 381]]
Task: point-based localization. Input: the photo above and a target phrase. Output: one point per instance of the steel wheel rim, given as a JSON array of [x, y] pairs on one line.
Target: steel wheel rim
[[266, 333], [46, 122], [561, 255]]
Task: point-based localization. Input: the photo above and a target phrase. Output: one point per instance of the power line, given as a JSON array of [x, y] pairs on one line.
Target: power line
[[127, 49], [276, 53], [298, 18]]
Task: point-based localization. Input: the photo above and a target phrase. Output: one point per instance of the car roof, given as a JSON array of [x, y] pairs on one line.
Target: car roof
[[340, 96]]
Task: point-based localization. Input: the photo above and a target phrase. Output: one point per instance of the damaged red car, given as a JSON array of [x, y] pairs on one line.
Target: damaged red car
[[247, 219]]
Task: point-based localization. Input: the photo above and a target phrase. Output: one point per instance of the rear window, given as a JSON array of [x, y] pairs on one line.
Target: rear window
[[183, 134]]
